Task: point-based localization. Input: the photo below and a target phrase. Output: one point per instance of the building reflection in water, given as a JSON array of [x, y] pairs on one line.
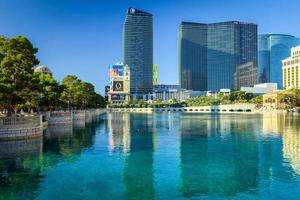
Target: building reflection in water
[[134, 133], [215, 155], [22, 162], [279, 146], [291, 141], [118, 131], [272, 124], [221, 155]]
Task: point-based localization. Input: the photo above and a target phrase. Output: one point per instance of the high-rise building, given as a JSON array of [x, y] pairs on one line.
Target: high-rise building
[[138, 51], [290, 68], [272, 49], [155, 75], [193, 56], [245, 75], [210, 53]]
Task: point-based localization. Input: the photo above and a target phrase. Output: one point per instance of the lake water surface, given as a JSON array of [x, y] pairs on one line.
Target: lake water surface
[[158, 156]]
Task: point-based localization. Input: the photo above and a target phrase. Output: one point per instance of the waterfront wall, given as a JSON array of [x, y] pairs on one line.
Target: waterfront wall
[[76, 118], [24, 127], [231, 108], [12, 128]]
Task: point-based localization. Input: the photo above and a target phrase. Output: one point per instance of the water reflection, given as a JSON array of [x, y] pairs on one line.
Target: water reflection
[[291, 141], [17, 179], [215, 155], [209, 156], [23, 163], [135, 134], [119, 131]]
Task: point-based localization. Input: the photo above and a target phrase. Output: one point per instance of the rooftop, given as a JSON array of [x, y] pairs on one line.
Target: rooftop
[[134, 11]]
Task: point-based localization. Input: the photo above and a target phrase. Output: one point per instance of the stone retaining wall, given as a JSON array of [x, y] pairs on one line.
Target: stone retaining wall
[[22, 127], [232, 108], [12, 128], [78, 117], [56, 118]]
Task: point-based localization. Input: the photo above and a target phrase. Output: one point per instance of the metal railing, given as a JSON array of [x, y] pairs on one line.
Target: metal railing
[[20, 121]]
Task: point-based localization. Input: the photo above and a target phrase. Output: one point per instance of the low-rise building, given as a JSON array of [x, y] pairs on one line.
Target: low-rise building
[[168, 92], [290, 69], [259, 89], [275, 99], [225, 91]]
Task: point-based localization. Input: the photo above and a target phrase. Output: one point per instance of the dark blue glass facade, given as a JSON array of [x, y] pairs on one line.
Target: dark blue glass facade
[[272, 49], [221, 47], [193, 56], [138, 50]]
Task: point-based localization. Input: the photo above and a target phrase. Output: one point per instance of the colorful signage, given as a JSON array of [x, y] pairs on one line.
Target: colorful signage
[[115, 71], [118, 97]]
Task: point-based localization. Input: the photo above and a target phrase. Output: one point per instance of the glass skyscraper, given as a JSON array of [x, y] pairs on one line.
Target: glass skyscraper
[[210, 53], [138, 50], [193, 56], [272, 49]]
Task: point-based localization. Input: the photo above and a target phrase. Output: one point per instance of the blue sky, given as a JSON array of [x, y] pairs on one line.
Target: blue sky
[[83, 37]]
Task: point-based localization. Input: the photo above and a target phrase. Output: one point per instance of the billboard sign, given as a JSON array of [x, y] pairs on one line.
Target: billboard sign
[[118, 97], [118, 86]]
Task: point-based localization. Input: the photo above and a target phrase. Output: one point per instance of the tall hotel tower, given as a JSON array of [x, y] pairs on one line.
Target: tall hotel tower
[[209, 54], [138, 51], [272, 49]]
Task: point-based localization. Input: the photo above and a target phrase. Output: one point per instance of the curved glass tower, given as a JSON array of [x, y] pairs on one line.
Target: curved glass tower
[[272, 49], [138, 50]]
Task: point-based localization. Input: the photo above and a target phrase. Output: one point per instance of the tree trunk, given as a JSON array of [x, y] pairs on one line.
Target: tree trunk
[[9, 105]]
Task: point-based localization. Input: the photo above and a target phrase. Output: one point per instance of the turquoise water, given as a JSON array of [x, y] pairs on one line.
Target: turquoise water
[[159, 156]]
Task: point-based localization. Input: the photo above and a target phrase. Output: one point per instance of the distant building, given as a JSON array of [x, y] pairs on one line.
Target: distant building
[[106, 90], [209, 54], [155, 75], [138, 51], [43, 69], [245, 75], [272, 49], [290, 68], [119, 80], [168, 92], [259, 89], [225, 91], [274, 99]]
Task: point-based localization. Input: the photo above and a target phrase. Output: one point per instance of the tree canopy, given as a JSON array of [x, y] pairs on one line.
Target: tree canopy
[[16, 70], [22, 88], [79, 94]]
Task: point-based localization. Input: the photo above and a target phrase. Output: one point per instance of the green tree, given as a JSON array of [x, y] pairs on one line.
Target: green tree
[[48, 91], [72, 94], [79, 94], [296, 93], [257, 100], [240, 96], [17, 59], [203, 101]]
